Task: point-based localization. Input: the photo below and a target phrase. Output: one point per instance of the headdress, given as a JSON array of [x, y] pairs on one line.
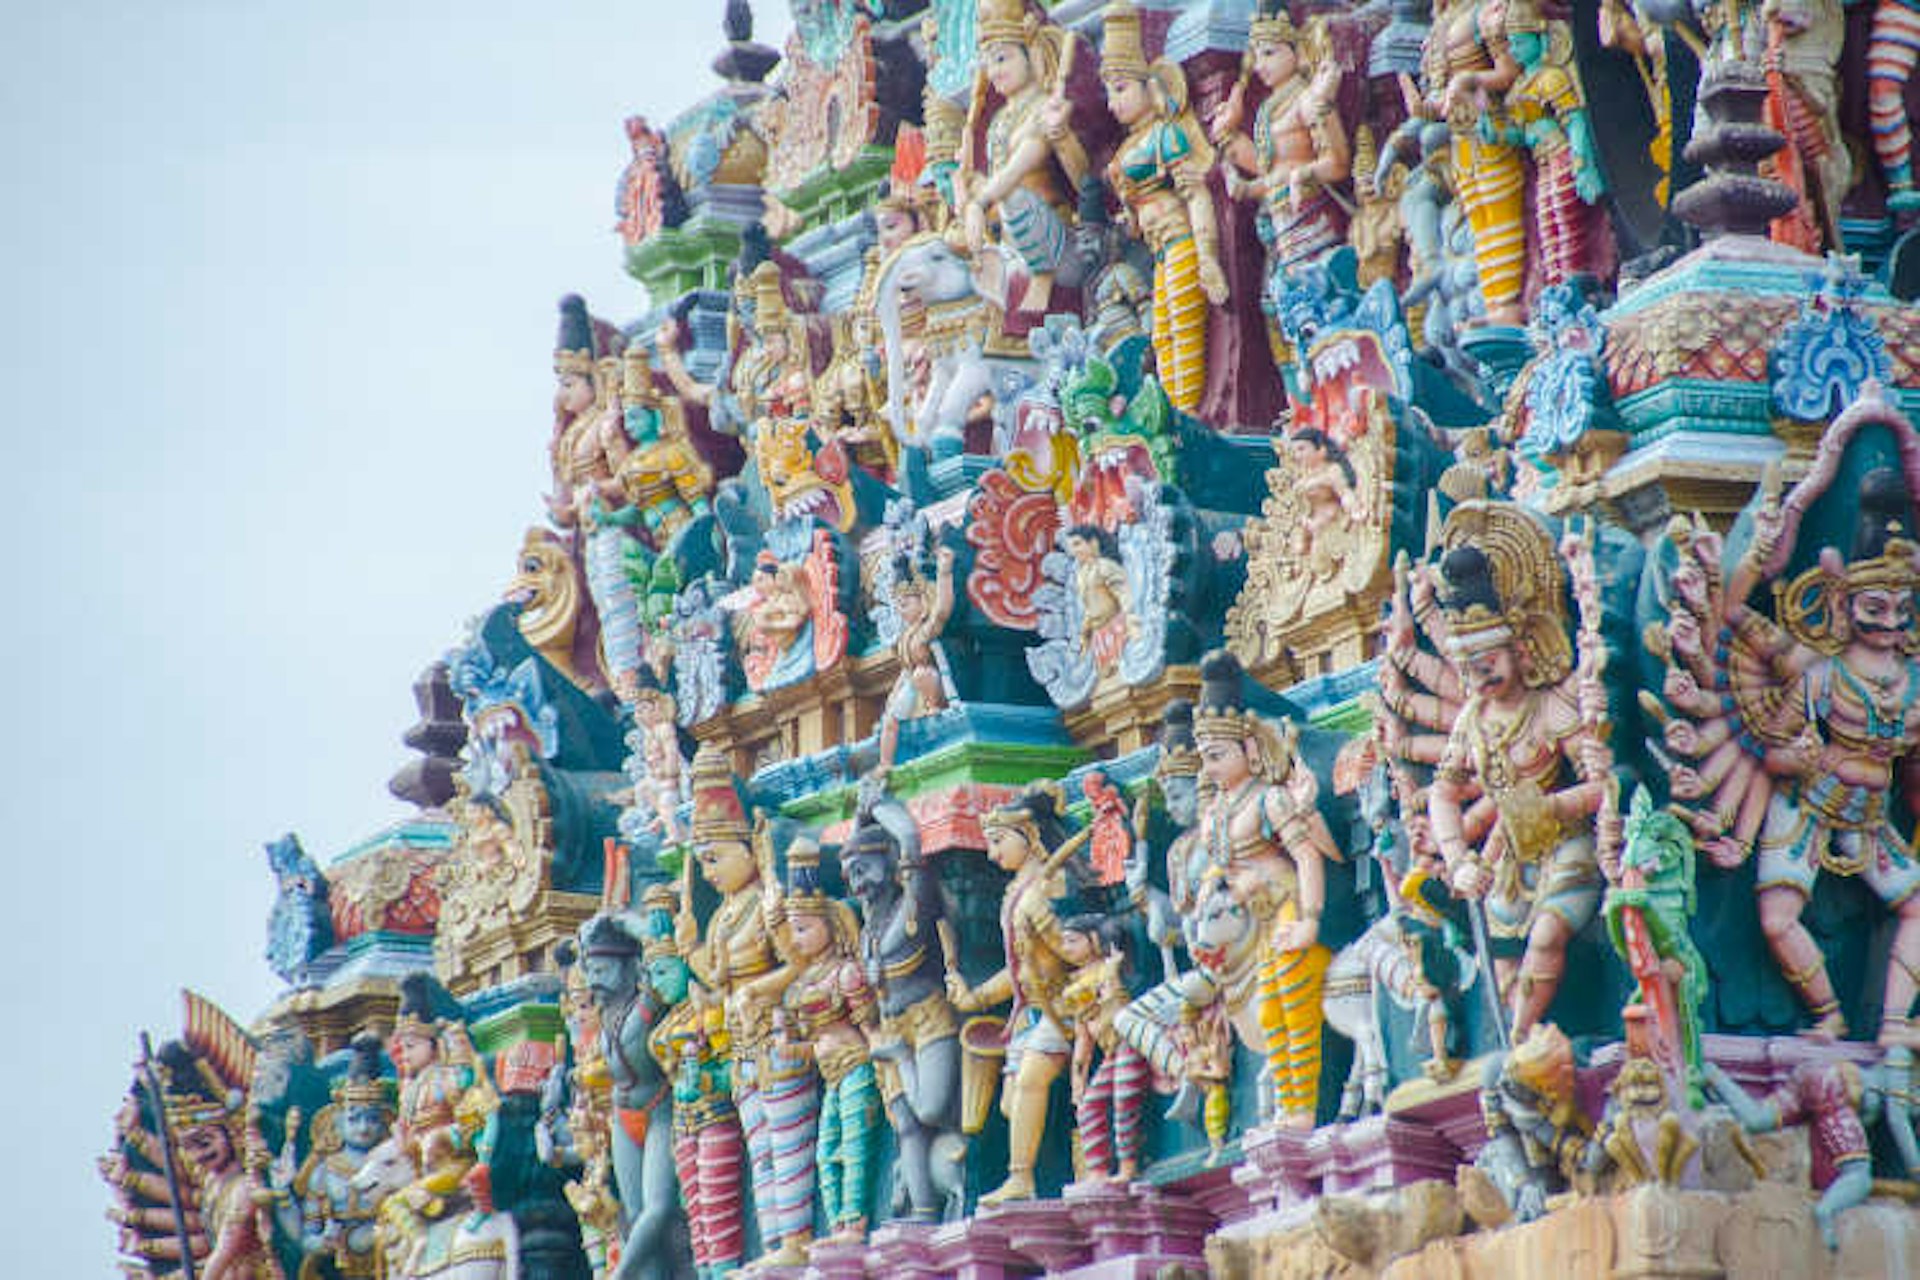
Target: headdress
[[363, 1085], [658, 906], [1272, 24], [419, 1013], [805, 890], [636, 382], [573, 350], [719, 811], [192, 1092], [1505, 585], [1001, 20], [1036, 811], [1538, 1059], [1222, 712], [1179, 756], [603, 936], [1123, 52]]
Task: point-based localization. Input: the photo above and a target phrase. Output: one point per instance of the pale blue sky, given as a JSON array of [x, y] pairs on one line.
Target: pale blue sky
[[278, 315]]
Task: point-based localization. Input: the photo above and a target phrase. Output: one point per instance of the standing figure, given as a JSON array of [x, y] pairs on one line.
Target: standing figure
[[1160, 174], [1853, 714], [1802, 61], [826, 1016], [1892, 50], [1546, 114], [1261, 830], [903, 950], [1522, 746], [1298, 153], [922, 687], [1106, 1098], [337, 1217], [735, 960], [643, 1165], [1024, 837], [1467, 66], [1106, 599], [689, 1043], [1034, 164]]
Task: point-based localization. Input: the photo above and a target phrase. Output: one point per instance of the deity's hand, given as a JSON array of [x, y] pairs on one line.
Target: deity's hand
[[1596, 758], [1686, 783], [1471, 880], [1684, 630], [1769, 522], [1229, 115], [959, 994], [974, 223], [1296, 935], [1213, 281], [1400, 634], [1724, 852], [943, 558]]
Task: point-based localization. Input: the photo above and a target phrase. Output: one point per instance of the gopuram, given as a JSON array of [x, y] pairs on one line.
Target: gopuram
[[1189, 639]]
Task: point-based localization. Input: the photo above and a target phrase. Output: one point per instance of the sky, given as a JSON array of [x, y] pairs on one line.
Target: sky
[[277, 309]]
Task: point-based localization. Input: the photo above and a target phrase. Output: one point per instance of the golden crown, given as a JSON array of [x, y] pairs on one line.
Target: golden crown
[[1123, 50], [1000, 20], [1272, 26], [718, 812]]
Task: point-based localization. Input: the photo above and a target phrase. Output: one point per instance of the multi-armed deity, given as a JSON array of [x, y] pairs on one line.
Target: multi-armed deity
[[1297, 594]]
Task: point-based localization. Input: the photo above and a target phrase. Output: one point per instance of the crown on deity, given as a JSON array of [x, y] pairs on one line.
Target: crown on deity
[[1883, 554], [805, 889], [192, 1093], [1476, 619], [946, 121], [1036, 812], [603, 936], [363, 1085], [573, 349], [1123, 50], [1538, 1060], [1222, 713], [1272, 24], [719, 812], [1179, 755], [658, 905], [1002, 20], [418, 1015], [1896, 568]]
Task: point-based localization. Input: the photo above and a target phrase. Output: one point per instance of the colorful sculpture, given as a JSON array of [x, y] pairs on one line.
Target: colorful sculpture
[[337, 1218]]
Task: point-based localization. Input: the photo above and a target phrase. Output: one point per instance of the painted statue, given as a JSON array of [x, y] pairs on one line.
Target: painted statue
[[920, 613], [734, 957], [1647, 912], [1527, 739], [826, 1016], [1826, 1098], [1466, 70], [1026, 174], [1262, 830], [1026, 838], [1160, 174], [1892, 50], [904, 950], [792, 626], [689, 1044], [1792, 729], [1297, 154], [628, 1010], [1802, 62], [1537, 1135], [1108, 1096], [338, 1220]]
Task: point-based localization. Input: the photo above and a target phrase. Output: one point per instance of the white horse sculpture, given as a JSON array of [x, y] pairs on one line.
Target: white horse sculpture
[[447, 1239], [963, 308]]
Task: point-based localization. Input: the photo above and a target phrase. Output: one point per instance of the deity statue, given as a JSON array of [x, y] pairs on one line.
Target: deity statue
[[1802, 61], [655, 761], [216, 1147], [1537, 1135], [1160, 174], [1260, 828], [923, 686], [338, 1218], [1892, 50], [1025, 836], [628, 1011], [1107, 1098], [826, 1016], [1100, 580], [1467, 69], [905, 953], [1298, 152], [1844, 649], [1826, 1098], [579, 405], [664, 481], [1033, 162], [735, 959], [770, 366], [434, 1125], [1528, 740], [690, 1045], [792, 625], [1546, 115]]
